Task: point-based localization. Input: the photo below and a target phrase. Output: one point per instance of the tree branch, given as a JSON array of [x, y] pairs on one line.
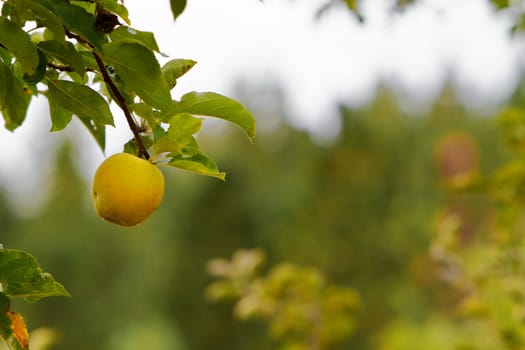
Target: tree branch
[[142, 152], [60, 67], [64, 68]]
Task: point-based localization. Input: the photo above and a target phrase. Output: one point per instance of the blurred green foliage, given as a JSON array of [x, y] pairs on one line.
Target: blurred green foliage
[[361, 210], [304, 312]]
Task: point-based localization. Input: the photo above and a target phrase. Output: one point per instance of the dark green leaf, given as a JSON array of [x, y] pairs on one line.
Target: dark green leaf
[[132, 148], [76, 20], [60, 117], [14, 100], [97, 130], [140, 71], [176, 68], [125, 34], [80, 100], [5, 321], [198, 163], [177, 7], [6, 85], [214, 105], [5, 303], [40, 71], [22, 277], [18, 42], [16, 111], [5, 56], [64, 52]]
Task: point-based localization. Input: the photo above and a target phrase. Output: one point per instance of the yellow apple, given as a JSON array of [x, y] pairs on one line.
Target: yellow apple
[[127, 189]]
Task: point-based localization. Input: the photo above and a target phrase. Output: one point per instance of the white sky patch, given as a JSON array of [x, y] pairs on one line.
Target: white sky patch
[[337, 59]]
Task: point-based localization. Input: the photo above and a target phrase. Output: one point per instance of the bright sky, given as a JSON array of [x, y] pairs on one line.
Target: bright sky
[[318, 63], [336, 58]]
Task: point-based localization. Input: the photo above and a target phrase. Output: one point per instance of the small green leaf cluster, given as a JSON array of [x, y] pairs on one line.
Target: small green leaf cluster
[[303, 310], [21, 277], [64, 49]]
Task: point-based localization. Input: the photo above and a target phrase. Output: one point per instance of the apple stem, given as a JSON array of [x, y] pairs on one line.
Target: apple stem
[[142, 152]]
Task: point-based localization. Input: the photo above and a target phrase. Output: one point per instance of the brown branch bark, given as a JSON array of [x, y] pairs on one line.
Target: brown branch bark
[[142, 152]]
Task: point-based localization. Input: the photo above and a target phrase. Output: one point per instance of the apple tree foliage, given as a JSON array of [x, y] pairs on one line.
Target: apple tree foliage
[[82, 55]]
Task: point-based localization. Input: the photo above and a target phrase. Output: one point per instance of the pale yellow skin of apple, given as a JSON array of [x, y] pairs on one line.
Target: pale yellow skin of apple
[[127, 189]]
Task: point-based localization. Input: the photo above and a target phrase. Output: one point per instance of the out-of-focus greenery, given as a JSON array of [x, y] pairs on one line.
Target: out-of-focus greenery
[[304, 311], [362, 209]]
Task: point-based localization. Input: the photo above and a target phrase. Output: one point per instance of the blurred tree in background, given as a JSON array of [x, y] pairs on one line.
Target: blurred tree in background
[[361, 209]]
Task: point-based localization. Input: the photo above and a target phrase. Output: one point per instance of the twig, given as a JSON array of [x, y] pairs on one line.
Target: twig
[[142, 152], [60, 67], [77, 38], [64, 68]]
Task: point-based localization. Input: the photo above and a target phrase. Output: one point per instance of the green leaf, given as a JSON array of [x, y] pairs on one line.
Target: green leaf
[[6, 85], [501, 4], [60, 117], [182, 127], [19, 43], [177, 7], [89, 60], [198, 163], [96, 129], [40, 72], [140, 71], [5, 55], [22, 277], [125, 34], [46, 18], [176, 68], [76, 20], [64, 52], [87, 5], [191, 148], [132, 148], [146, 112], [5, 303], [80, 100], [212, 104], [14, 100]]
